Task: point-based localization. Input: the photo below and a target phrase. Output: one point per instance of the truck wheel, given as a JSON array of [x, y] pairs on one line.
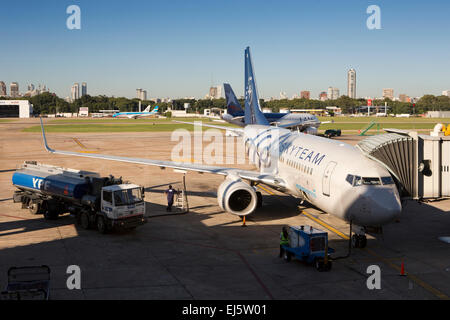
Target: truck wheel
[[328, 266], [84, 221], [318, 263], [34, 208], [101, 225], [287, 256]]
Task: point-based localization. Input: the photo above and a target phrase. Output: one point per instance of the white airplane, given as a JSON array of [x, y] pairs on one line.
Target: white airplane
[[135, 115], [334, 176]]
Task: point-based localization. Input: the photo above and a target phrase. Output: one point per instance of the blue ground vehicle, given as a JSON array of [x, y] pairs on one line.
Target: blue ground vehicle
[[310, 245]]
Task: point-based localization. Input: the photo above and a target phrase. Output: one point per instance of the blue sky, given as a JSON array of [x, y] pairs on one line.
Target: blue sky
[[179, 48]]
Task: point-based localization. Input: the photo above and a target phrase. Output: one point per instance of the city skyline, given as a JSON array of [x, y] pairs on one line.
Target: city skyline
[[199, 44]]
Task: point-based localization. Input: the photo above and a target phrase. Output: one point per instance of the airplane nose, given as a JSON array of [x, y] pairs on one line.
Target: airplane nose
[[374, 206], [386, 206]]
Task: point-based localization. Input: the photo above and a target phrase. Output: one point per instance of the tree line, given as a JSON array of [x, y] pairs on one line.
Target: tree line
[[48, 103]]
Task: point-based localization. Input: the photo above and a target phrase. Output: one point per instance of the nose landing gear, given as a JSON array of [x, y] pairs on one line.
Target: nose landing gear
[[359, 239]]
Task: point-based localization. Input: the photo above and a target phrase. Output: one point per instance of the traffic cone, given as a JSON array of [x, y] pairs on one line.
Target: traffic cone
[[402, 269]]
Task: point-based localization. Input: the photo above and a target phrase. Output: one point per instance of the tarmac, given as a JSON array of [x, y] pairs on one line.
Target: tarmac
[[206, 253]]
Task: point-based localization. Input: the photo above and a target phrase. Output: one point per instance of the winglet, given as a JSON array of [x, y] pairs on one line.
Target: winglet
[[44, 138]]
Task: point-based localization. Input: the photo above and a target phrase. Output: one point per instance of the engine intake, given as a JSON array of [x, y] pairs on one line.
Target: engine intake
[[237, 197]]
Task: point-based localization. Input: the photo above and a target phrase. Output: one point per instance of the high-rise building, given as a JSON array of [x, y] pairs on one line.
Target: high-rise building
[[323, 96], [141, 94], [2, 89], [14, 90], [215, 92], [305, 95], [444, 93], [388, 93], [333, 93], [83, 89], [404, 98], [75, 91], [351, 83]]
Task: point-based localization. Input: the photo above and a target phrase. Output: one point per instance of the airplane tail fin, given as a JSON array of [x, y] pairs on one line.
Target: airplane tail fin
[[253, 113], [147, 109], [155, 110], [234, 108]]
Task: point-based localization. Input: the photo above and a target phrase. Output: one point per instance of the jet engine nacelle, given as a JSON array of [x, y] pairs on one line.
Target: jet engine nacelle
[[311, 130], [237, 197]]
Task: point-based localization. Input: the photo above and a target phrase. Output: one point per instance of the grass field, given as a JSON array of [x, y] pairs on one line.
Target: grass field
[[349, 125], [7, 120], [160, 125]]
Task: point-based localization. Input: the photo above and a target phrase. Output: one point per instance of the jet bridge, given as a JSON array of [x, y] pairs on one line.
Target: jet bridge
[[420, 164]]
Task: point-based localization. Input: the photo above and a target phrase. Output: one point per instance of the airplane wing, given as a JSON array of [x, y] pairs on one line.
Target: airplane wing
[[239, 131], [243, 174]]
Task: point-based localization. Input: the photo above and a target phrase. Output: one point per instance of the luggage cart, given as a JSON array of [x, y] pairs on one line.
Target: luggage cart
[[309, 245], [27, 283]]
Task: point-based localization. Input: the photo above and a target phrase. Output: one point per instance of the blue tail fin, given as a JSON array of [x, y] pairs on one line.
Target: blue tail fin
[[155, 110], [253, 113], [233, 106]]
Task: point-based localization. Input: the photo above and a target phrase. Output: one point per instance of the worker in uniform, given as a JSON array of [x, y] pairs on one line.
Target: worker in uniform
[[170, 194], [284, 240]]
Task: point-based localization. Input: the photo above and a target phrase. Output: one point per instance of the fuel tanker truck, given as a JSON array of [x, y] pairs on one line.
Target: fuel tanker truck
[[106, 203]]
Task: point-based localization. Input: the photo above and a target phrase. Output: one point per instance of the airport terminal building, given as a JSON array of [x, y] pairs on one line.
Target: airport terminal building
[[15, 109]]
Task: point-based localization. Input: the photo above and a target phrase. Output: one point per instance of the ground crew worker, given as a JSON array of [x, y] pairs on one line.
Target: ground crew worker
[[284, 240], [170, 194]]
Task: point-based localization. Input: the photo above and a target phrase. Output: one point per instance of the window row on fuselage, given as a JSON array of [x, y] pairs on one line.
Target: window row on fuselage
[[297, 165]]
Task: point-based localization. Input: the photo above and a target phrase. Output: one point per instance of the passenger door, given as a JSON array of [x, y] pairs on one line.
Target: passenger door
[[327, 178]]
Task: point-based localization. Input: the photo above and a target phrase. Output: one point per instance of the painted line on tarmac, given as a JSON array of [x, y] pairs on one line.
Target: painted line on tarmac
[[78, 142], [325, 225], [412, 277], [265, 189], [83, 146]]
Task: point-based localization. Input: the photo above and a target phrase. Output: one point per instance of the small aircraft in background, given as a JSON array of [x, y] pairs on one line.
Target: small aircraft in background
[[304, 122], [135, 115]]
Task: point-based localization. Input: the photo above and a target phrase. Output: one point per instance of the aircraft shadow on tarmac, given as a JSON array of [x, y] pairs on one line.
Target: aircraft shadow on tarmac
[[186, 248]]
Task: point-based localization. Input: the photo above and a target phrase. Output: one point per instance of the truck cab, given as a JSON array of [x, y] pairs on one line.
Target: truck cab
[[122, 206]]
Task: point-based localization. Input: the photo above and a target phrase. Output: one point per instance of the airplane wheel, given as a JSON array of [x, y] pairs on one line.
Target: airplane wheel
[[260, 199], [362, 241], [355, 241]]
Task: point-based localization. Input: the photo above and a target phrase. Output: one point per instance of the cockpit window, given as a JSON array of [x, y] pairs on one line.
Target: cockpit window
[[371, 181], [358, 181], [387, 180], [349, 179]]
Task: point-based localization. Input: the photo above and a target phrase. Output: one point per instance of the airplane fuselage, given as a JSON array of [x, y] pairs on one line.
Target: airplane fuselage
[[334, 176], [297, 120]]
